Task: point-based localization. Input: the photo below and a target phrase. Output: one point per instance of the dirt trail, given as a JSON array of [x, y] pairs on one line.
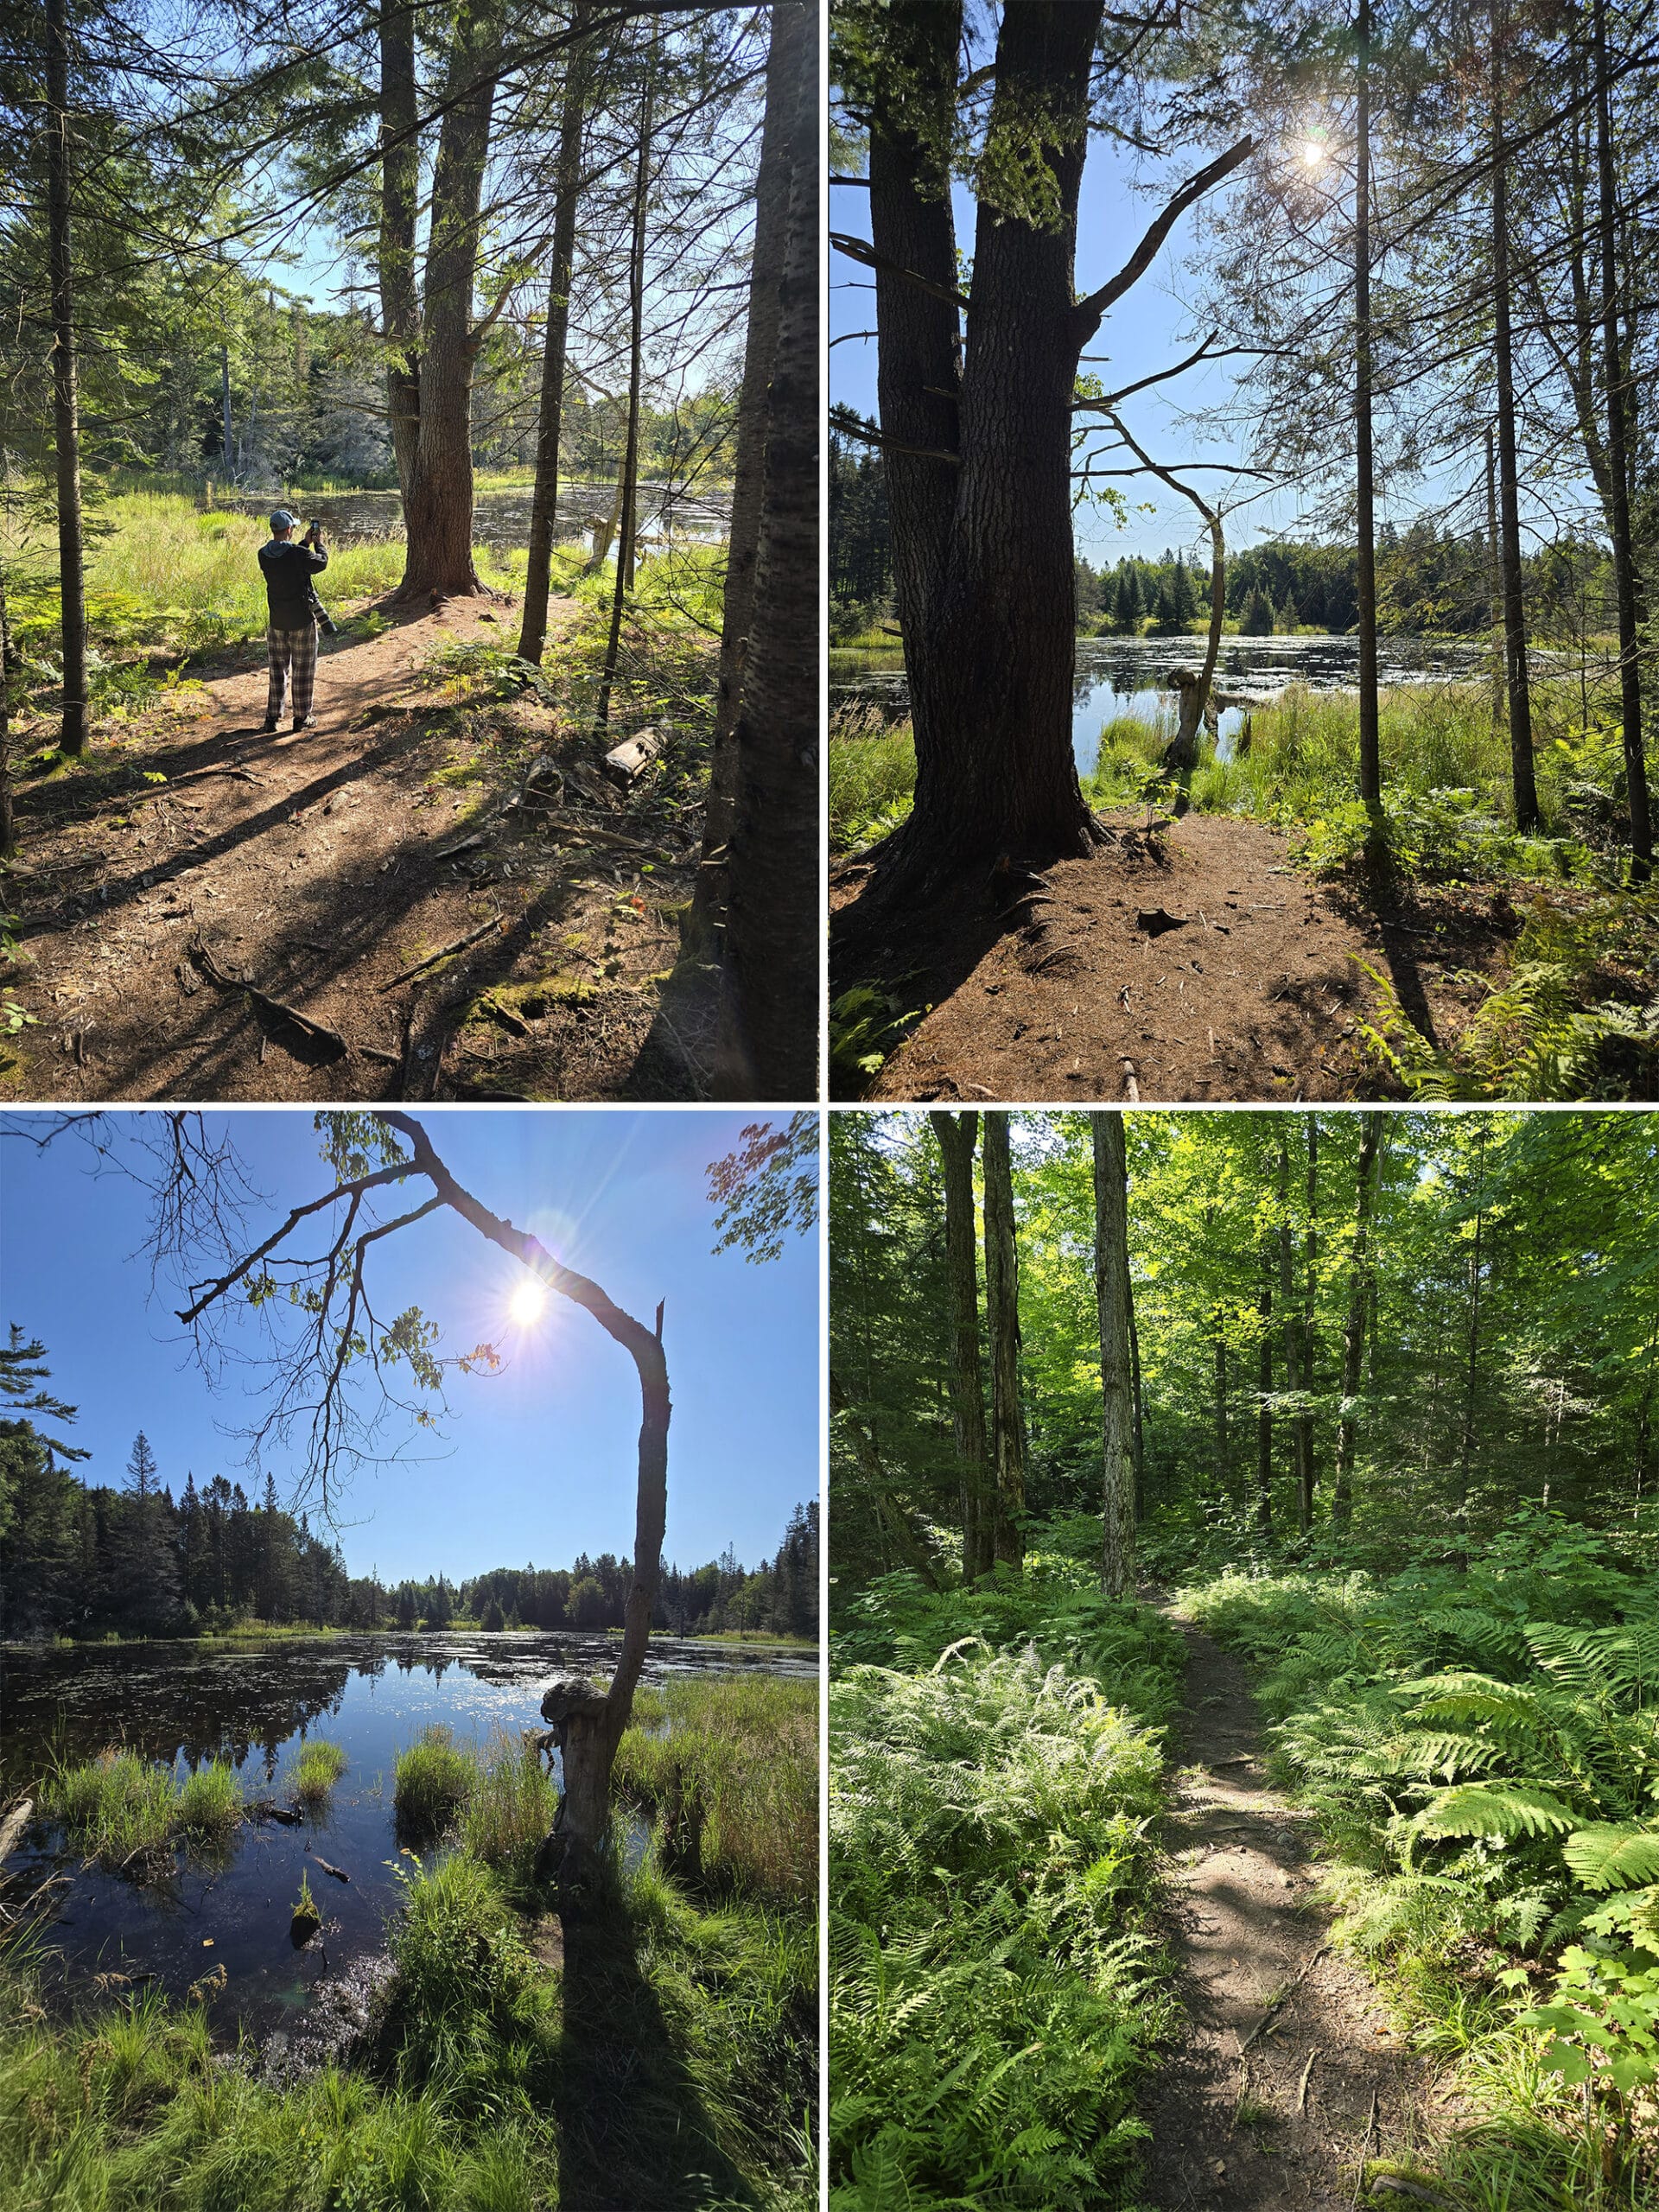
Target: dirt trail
[[1196, 963], [1240, 2120], [317, 865]]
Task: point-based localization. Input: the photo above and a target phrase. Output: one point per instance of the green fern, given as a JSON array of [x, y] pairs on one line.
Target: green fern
[[1494, 1809], [1607, 1857]]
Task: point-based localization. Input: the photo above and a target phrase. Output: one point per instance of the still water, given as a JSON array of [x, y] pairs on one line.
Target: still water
[[501, 520], [255, 1705], [1129, 676]]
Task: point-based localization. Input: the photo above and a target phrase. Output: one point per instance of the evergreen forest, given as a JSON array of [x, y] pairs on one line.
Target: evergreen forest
[[1245, 1624]]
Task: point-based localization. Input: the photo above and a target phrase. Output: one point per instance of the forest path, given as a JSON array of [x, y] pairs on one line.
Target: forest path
[[1247, 983], [317, 865], [1241, 2120]]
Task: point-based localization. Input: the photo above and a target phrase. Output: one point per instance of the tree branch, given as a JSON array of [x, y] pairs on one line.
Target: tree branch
[[858, 250], [1087, 313]]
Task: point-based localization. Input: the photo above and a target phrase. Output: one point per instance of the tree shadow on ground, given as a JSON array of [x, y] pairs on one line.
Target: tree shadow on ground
[[633, 2128]]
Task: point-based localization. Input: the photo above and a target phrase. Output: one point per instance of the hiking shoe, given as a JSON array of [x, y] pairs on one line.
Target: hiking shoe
[[310, 722], [268, 729]]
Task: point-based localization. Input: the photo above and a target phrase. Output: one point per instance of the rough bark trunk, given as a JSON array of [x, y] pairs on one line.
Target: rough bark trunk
[[400, 192], [586, 1805], [956, 1135], [793, 28], [766, 1042], [1522, 774], [1264, 1390], [1617, 383], [532, 632], [7, 828], [65, 407], [1116, 1379], [1353, 1340], [438, 505], [992, 662], [1370, 755], [1494, 588], [628, 487], [1290, 1327], [1138, 1402], [1307, 1468], [1002, 1328], [1223, 1455]]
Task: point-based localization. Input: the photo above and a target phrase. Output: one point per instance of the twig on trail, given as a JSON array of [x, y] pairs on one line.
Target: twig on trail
[[1302, 2089], [1399, 2186], [431, 960], [1359, 2178], [1244, 1759], [189, 776], [329, 1041], [1275, 2004], [1131, 1088]]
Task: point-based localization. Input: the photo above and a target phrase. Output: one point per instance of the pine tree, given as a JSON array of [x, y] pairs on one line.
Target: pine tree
[[1183, 601]]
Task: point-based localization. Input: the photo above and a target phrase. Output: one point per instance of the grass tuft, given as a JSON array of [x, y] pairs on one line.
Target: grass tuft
[[434, 1779], [318, 1768]]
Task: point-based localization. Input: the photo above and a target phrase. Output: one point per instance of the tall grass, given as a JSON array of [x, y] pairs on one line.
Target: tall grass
[[118, 1807], [433, 1778], [509, 1811], [316, 1770], [727, 1768]]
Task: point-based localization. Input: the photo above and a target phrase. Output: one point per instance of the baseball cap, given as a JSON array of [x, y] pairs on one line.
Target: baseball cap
[[282, 519]]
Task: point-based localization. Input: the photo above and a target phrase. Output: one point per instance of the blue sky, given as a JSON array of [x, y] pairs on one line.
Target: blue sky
[[535, 1463], [1148, 330]]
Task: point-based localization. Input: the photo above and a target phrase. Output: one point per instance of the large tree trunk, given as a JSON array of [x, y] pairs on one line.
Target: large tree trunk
[[1370, 754], [1522, 774], [1617, 383], [956, 1134], [794, 26], [1264, 1395], [1116, 1382], [1353, 1340], [766, 1043], [1291, 1326], [66, 410], [628, 488], [991, 662], [400, 191], [438, 503], [532, 633], [1002, 1326]]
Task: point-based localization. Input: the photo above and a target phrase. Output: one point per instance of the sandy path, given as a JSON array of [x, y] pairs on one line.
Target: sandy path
[[315, 866], [1242, 2120]]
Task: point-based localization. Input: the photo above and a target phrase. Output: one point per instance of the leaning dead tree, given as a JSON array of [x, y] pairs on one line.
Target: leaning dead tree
[[203, 1205]]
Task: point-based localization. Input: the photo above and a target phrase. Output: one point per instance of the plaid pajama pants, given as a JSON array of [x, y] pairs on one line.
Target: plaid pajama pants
[[295, 650]]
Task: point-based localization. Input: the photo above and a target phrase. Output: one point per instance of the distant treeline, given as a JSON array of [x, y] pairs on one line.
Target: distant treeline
[[1428, 579], [85, 1560]]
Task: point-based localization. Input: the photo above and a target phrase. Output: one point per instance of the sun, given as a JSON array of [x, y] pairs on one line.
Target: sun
[[1313, 152], [527, 1301]]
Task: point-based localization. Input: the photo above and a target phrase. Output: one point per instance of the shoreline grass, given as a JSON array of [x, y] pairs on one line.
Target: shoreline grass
[[434, 1777], [316, 1770], [119, 1807]]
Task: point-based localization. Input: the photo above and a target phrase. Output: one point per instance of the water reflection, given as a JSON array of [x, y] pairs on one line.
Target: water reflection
[[1116, 677], [501, 520], [255, 1705]]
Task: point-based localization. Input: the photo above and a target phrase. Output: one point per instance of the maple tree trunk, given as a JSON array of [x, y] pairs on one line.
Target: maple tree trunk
[[1002, 1327], [1116, 1381], [956, 1134]]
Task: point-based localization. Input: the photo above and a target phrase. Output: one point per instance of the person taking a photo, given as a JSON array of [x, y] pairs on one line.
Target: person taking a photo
[[291, 638]]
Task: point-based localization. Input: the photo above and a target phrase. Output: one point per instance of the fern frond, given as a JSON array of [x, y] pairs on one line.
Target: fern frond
[[1613, 1857], [1494, 1809]]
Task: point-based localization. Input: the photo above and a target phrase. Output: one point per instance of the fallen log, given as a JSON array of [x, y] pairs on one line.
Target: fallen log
[[310, 1041], [317, 1860], [13, 1826], [626, 762]]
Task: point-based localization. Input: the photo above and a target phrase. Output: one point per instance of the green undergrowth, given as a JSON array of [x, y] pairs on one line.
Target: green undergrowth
[[659, 2047], [995, 1997], [432, 1780], [1481, 1748], [120, 1809], [726, 1770]]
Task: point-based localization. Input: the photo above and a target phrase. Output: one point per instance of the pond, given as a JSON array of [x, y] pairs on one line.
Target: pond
[[1130, 676], [501, 519], [255, 1704]]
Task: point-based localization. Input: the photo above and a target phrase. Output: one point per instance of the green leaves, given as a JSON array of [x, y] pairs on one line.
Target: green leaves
[[1607, 1857], [1494, 1809]]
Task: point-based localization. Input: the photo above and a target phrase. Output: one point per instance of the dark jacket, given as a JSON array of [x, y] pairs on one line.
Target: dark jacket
[[289, 567]]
